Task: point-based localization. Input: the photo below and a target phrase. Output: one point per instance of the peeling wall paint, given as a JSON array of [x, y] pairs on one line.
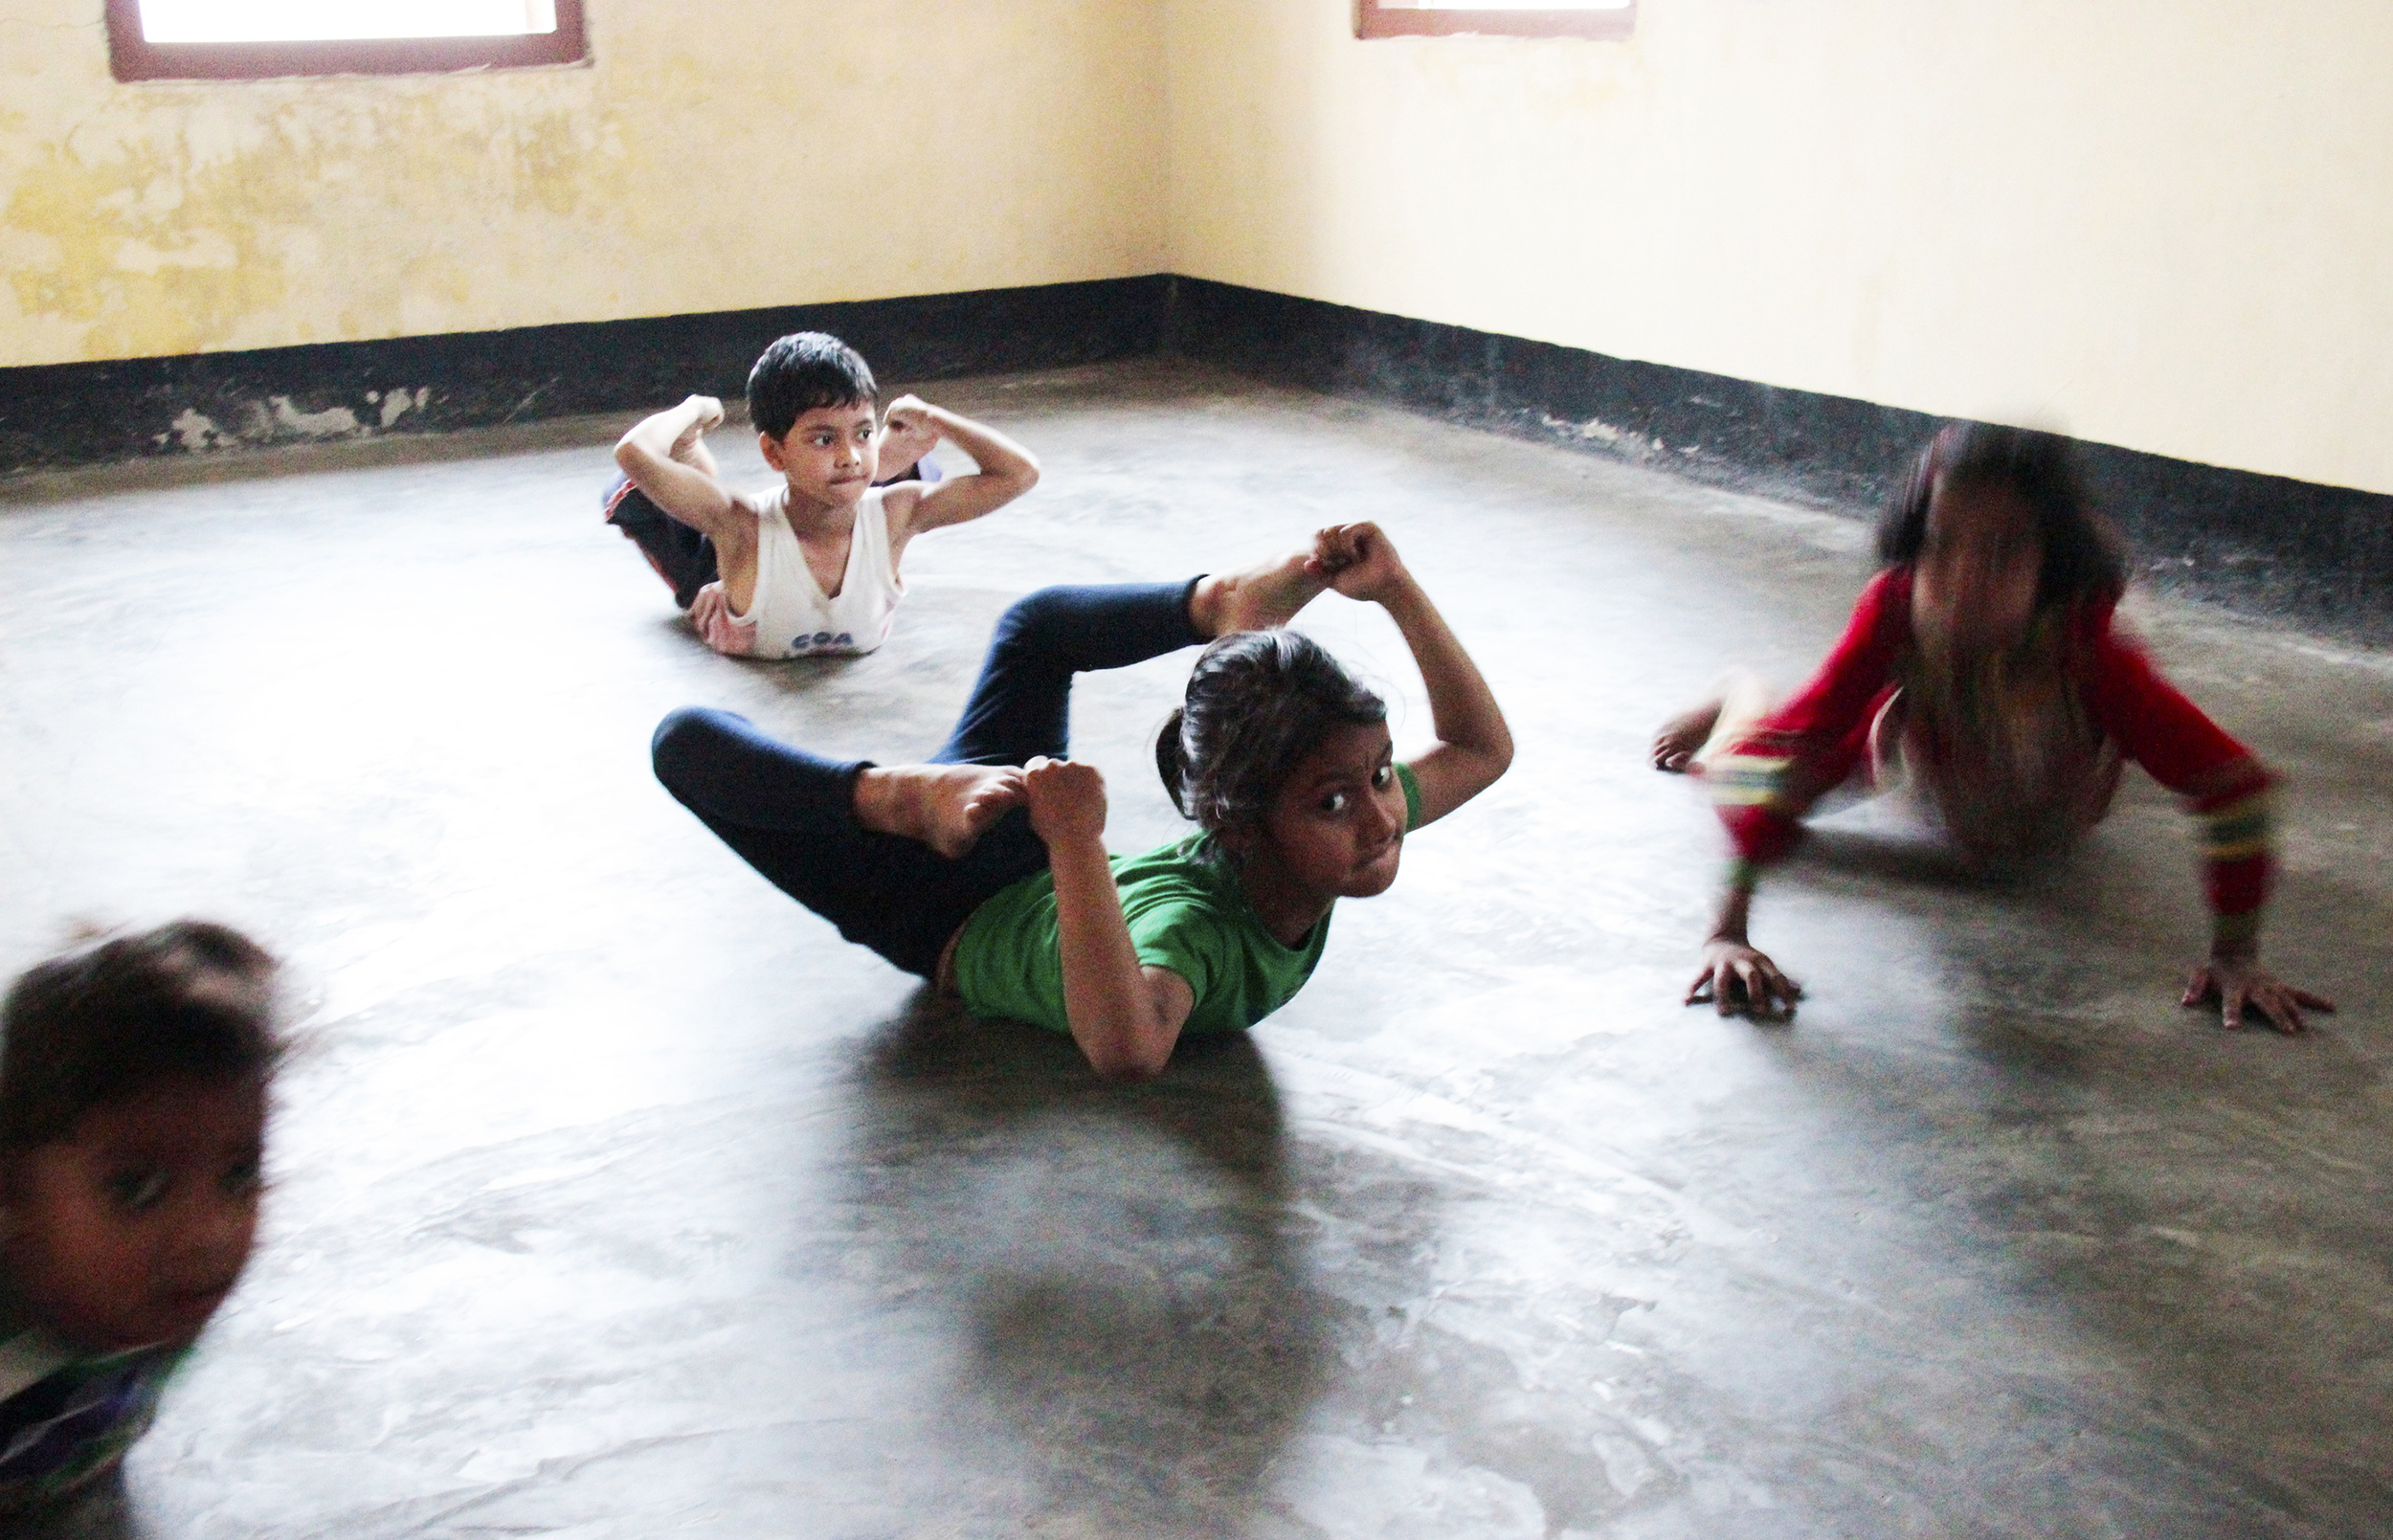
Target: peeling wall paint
[[275, 420], [92, 413], [2164, 223], [747, 156]]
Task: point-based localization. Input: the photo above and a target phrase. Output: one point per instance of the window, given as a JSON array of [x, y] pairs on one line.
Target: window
[[238, 39], [1445, 18]]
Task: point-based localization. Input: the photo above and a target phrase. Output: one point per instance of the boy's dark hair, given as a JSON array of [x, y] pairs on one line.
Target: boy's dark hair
[[2083, 555], [186, 1001], [1257, 704], [804, 370]]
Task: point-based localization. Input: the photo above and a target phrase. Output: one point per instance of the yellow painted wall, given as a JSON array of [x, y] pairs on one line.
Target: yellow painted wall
[[2166, 224], [736, 154], [2159, 223]]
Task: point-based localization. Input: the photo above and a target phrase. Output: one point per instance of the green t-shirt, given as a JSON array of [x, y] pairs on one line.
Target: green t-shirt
[[1186, 912]]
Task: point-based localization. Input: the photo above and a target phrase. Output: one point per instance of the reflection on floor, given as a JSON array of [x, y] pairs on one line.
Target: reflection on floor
[[616, 1197]]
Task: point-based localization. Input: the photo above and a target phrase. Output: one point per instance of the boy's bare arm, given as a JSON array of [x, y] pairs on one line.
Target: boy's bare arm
[[1006, 469], [651, 456]]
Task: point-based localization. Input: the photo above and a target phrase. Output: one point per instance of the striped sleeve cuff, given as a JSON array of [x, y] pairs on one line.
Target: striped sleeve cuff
[[1746, 780], [2237, 840], [2239, 829]]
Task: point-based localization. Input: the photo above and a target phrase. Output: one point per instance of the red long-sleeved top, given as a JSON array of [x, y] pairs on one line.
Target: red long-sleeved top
[[1768, 779]]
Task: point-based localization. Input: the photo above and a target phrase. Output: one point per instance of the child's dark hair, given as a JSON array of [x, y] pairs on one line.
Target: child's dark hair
[[1257, 703], [804, 370], [2083, 555], [186, 1001]]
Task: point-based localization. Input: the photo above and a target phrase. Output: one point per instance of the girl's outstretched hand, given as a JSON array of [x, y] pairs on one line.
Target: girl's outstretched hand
[[1743, 981], [1068, 800], [1359, 561], [2237, 984]]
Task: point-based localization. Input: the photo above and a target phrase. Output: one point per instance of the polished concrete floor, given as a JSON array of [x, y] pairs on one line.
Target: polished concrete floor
[[613, 1196]]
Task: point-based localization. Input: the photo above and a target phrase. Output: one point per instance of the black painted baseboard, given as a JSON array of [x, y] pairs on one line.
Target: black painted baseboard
[[83, 413], [2269, 543], [2321, 554]]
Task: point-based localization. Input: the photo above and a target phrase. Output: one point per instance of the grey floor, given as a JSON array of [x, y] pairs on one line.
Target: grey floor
[[613, 1196]]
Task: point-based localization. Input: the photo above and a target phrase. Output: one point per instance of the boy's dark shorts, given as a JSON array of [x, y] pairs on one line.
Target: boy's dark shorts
[[682, 556]]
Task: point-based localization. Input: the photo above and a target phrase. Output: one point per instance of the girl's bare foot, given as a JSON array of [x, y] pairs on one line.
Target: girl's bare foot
[[1254, 599], [947, 807], [1682, 737]]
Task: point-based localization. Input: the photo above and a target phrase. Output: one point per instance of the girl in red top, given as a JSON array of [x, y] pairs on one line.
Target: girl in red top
[[1984, 668]]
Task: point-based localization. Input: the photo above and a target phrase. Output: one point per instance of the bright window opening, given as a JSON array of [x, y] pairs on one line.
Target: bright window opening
[[1599, 19], [260, 39], [291, 21]]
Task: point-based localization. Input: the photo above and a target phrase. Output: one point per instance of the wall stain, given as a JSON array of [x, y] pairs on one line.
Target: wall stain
[[668, 176], [125, 260], [180, 223]]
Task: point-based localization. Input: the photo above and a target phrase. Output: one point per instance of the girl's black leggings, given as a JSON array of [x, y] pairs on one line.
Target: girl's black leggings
[[791, 814]]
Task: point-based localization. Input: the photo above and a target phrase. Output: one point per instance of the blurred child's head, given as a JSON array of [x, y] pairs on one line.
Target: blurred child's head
[[132, 1119], [1997, 527], [814, 407], [1282, 757]]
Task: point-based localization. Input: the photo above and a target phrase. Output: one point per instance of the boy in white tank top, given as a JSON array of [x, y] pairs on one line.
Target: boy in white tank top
[[810, 566]]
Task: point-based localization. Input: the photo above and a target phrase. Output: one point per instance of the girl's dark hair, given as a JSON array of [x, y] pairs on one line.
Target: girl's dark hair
[[801, 372], [186, 1001], [1258, 701], [2083, 555]]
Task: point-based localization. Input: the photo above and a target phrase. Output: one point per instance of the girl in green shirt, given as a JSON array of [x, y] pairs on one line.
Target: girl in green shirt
[[985, 869]]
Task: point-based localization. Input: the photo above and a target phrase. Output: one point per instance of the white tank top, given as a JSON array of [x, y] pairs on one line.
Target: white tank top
[[787, 616]]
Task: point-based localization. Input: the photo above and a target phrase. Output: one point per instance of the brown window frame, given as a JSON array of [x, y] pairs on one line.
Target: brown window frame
[[1374, 20], [131, 56]]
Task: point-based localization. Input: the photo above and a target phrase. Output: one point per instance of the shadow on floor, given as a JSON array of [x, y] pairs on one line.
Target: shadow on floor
[[2202, 1206], [2235, 1295], [1135, 1330]]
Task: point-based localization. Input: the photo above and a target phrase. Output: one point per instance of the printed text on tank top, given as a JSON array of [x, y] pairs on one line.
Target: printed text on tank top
[[790, 611]]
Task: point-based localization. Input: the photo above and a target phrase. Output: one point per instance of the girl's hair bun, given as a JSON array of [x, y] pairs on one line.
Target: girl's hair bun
[[1172, 759]]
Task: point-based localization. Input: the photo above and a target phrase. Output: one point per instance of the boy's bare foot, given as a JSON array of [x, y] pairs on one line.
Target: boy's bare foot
[[947, 807], [1682, 737], [1254, 599]]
